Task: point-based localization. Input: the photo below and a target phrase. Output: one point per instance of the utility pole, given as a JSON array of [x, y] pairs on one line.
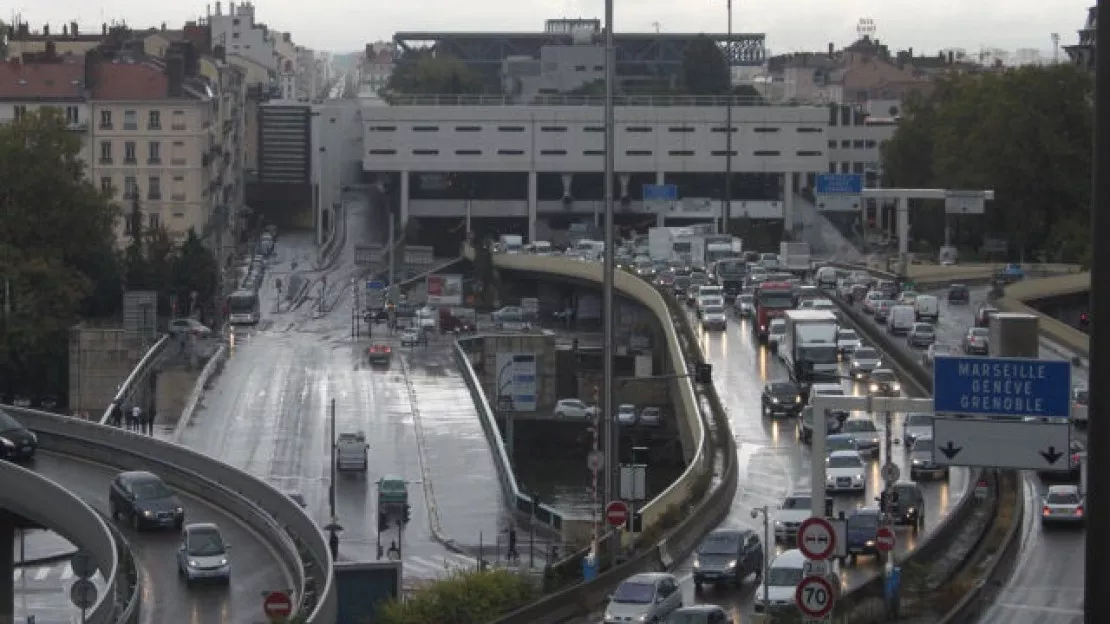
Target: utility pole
[[606, 415], [333, 527], [392, 263], [726, 206], [220, 262]]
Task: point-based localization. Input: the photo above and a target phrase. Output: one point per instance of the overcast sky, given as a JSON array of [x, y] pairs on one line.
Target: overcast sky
[[792, 25]]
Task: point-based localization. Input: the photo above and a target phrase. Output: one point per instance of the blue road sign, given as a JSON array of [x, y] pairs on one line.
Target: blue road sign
[[1014, 387], [660, 192], [375, 285], [839, 184]]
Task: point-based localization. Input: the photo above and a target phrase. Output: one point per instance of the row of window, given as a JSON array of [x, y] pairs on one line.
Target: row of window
[[561, 152], [854, 144], [72, 113], [130, 153], [131, 188], [631, 129], [854, 167], [153, 120]]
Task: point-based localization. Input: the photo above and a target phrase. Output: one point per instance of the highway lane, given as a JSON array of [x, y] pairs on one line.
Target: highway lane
[[255, 567]]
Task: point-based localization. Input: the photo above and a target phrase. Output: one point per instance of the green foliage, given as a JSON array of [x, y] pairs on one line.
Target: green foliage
[[1026, 133], [464, 598], [431, 75], [704, 68]]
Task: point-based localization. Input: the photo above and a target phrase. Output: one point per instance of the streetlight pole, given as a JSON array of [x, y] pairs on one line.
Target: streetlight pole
[[606, 416], [765, 511], [726, 206], [333, 527]]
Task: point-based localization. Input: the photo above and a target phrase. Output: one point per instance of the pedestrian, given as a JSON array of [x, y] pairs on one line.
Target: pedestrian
[[147, 422], [116, 417], [333, 545], [133, 421], [513, 555]]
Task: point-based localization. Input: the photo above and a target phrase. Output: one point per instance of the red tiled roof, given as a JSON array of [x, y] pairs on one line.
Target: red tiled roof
[[39, 81], [128, 81]]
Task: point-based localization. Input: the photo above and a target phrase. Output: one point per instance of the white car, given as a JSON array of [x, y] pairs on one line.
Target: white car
[[795, 508], [917, 425], [203, 554], [744, 304], [189, 327], [626, 414], [574, 409], [776, 333], [651, 417], [647, 597], [847, 341], [1080, 410], [1063, 504], [714, 318], [845, 471], [410, 338]]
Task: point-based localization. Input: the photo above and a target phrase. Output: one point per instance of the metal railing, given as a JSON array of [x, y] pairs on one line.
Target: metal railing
[[150, 360], [400, 99]]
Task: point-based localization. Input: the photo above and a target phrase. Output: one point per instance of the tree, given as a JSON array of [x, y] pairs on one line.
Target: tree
[[194, 271], [704, 68], [465, 598], [434, 75], [51, 274], [1025, 133]]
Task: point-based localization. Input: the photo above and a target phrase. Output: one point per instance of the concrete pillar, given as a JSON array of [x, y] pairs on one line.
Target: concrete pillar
[[624, 179], [533, 204], [660, 177], [567, 179], [7, 570], [788, 200], [404, 199]]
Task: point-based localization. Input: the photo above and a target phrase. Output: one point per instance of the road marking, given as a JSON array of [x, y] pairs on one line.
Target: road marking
[[1056, 610]]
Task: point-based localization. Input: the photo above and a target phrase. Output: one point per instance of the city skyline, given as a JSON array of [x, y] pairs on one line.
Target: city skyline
[[926, 28]]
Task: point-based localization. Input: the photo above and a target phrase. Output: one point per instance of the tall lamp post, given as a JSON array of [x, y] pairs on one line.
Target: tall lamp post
[[726, 206], [606, 416], [765, 511], [332, 527]]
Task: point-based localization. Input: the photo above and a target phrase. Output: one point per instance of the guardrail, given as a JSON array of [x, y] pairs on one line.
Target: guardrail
[[926, 277], [272, 515], [214, 363], [44, 501], [129, 598], [150, 360], [1020, 295]]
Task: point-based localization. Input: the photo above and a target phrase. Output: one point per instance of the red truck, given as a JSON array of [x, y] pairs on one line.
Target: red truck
[[457, 320], [772, 300]]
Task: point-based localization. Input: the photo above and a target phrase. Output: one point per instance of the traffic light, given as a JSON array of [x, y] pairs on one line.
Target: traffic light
[[703, 373], [407, 513], [383, 522]]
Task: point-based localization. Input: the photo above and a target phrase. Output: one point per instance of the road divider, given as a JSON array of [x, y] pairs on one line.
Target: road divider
[[1019, 296], [213, 366]]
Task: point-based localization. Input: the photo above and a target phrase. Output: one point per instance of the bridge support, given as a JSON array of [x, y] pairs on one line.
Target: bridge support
[[7, 557], [788, 201], [533, 205], [403, 200]]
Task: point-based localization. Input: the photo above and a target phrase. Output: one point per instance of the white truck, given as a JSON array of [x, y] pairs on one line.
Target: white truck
[[721, 246], [676, 244], [511, 243], [351, 452], [795, 257], [809, 347]]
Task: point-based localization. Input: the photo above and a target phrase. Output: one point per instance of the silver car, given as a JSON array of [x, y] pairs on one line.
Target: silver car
[[203, 554], [864, 360], [921, 460], [917, 425], [865, 433], [626, 414], [1063, 504], [647, 597]]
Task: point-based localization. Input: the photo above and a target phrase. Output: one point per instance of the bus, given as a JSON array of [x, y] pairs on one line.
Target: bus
[[243, 308], [730, 275], [772, 300]]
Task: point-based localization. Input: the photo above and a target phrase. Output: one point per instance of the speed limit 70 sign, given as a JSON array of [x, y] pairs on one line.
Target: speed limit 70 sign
[[814, 597]]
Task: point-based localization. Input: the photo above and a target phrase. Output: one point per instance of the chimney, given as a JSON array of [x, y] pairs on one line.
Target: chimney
[[65, 30], [286, 37], [51, 50], [208, 10], [104, 29], [219, 8], [911, 53], [46, 30], [175, 74], [73, 29], [951, 57], [832, 50], [92, 57], [191, 58], [163, 27]]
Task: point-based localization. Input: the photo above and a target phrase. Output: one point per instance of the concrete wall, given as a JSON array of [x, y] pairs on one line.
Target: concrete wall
[[546, 365], [99, 361], [171, 391]]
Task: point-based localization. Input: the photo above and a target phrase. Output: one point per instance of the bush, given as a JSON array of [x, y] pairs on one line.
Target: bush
[[468, 597]]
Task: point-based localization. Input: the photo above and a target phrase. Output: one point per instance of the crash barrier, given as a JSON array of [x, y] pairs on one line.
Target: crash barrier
[[270, 514], [514, 498], [150, 361], [129, 598], [1020, 295], [193, 402], [936, 541], [47, 503], [929, 277]]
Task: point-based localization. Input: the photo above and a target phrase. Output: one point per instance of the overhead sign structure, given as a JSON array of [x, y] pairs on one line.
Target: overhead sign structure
[[996, 443], [884, 539], [445, 290], [277, 604], [839, 192], [815, 597], [1016, 387], [660, 192], [816, 538], [964, 202], [375, 285], [616, 513]]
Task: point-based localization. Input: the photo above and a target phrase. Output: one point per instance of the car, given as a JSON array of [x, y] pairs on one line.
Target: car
[[179, 327], [922, 465], [921, 335], [1063, 504], [645, 597], [626, 415], [699, 614], [906, 506], [907, 297], [916, 425], [1071, 471], [17, 443], [863, 361], [203, 554], [1080, 402], [776, 333], [865, 433], [781, 398], [143, 500], [728, 556], [410, 338], [744, 305], [958, 294], [1011, 273], [379, 354], [713, 317], [884, 383], [977, 341], [983, 315], [574, 409], [795, 509], [862, 529], [882, 310], [934, 351], [871, 300], [777, 593], [840, 442], [804, 425], [847, 341], [651, 416], [826, 388], [845, 471]]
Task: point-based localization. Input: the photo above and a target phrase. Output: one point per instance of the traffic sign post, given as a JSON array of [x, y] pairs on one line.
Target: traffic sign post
[[83, 564], [277, 605], [660, 197], [839, 192], [1011, 387], [815, 597], [884, 539], [1001, 443], [616, 514], [816, 539], [890, 472]]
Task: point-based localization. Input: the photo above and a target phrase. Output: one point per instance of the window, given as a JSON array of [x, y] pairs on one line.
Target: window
[[130, 120], [858, 144], [129, 152], [468, 152], [383, 128], [425, 128], [581, 68], [724, 129], [153, 220], [106, 184], [154, 120], [425, 152], [382, 152], [154, 187], [154, 153], [723, 153], [680, 153], [593, 153], [106, 120], [869, 143], [105, 151], [809, 153], [178, 121], [72, 115], [234, 35], [845, 144], [806, 129], [763, 129], [235, 21], [178, 191], [594, 129], [130, 187], [766, 153], [468, 128], [510, 128], [553, 128], [680, 129], [637, 152], [20, 111], [832, 143], [553, 152], [510, 152], [638, 129]]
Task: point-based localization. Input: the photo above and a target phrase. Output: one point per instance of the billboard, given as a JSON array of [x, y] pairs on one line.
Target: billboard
[[517, 378], [445, 290]]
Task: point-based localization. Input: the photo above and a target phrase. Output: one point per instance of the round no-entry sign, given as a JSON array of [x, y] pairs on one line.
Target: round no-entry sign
[[277, 605], [814, 597], [616, 513], [884, 539]]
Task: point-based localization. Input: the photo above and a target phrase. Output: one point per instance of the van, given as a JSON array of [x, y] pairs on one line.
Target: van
[[783, 577], [541, 248], [928, 308], [900, 319], [826, 277]]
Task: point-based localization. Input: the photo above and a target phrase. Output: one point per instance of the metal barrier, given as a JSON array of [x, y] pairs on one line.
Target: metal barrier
[[150, 360], [44, 501], [271, 514]]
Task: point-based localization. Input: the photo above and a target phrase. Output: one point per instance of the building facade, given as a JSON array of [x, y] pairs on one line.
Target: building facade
[[238, 32], [60, 84]]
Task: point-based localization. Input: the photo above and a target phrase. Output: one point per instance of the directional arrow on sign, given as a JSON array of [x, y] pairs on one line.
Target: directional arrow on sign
[[950, 450], [1051, 455]]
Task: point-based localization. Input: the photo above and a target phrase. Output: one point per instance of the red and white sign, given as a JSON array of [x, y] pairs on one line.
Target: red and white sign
[[277, 605], [884, 539], [616, 513], [815, 597], [816, 539]]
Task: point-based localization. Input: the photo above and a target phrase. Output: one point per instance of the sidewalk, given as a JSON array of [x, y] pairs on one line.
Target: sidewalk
[[39, 547]]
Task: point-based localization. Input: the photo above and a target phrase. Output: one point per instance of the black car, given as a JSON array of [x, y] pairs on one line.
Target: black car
[[958, 293], [728, 556], [143, 500], [907, 505], [983, 315], [781, 398], [1067, 472], [16, 441]]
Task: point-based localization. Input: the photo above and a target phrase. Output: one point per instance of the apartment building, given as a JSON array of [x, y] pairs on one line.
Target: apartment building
[[59, 84]]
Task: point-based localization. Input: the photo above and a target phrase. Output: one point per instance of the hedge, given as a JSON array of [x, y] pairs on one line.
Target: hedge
[[466, 597]]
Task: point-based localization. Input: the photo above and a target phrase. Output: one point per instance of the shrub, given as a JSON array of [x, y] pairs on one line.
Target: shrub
[[466, 597]]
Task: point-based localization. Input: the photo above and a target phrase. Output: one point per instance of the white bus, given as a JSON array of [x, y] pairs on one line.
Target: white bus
[[243, 308]]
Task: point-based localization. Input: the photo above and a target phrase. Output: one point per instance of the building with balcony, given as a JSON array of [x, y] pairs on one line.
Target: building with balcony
[[240, 35], [376, 65], [58, 84]]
